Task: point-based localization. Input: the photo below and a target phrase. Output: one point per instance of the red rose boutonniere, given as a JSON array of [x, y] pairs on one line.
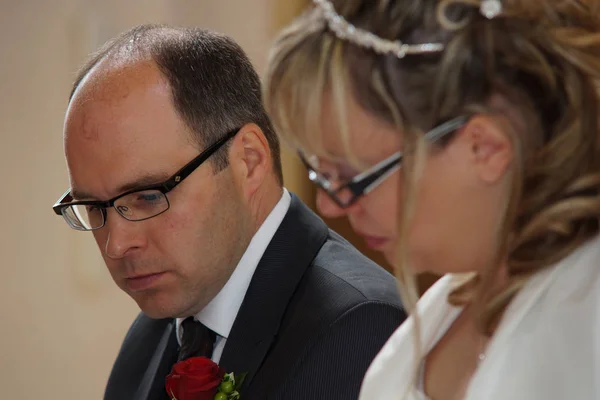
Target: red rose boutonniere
[[199, 378]]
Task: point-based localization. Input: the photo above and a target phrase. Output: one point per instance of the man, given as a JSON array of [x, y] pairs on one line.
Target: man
[[277, 295]]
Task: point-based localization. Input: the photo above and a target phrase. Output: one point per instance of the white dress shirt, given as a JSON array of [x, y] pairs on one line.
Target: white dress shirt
[[547, 346], [220, 313]]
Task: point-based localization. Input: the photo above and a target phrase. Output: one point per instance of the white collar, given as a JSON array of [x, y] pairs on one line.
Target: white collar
[[220, 313]]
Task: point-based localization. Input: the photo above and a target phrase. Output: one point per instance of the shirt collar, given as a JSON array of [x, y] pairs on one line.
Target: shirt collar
[[219, 315]]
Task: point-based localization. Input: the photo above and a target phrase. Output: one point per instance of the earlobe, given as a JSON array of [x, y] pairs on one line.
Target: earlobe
[[491, 148]]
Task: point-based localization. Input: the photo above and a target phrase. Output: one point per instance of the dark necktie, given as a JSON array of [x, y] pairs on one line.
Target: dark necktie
[[196, 341]]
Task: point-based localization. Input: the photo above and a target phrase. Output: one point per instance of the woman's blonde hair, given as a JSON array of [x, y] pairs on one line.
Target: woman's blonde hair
[[541, 57]]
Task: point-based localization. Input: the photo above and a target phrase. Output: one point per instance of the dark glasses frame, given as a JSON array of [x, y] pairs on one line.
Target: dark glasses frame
[[66, 200], [368, 180]]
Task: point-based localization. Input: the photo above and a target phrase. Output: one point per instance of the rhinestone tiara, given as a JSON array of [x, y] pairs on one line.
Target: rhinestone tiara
[[363, 38]]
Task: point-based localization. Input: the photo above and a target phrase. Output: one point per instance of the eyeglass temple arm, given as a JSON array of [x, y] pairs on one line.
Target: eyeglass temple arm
[[360, 184], [195, 163]]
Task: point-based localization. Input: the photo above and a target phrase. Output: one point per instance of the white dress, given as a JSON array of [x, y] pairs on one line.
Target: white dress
[[547, 346]]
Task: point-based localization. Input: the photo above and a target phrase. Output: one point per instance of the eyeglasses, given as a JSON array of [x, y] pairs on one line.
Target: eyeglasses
[[134, 205], [346, 194]]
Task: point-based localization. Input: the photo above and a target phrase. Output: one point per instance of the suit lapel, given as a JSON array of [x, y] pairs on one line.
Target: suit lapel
[[293, 247], [152, 386]]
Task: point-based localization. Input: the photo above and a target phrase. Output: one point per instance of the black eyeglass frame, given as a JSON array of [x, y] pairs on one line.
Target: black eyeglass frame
[[66, 200], [368, 180]]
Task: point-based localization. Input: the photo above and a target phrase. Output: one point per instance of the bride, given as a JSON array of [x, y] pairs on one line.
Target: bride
[[461, 137]]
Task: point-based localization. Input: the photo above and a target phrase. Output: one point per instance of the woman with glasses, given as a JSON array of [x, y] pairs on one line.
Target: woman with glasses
[[461, 137]]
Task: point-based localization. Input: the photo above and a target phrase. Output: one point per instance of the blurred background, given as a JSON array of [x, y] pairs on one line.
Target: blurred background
[[62, 319]]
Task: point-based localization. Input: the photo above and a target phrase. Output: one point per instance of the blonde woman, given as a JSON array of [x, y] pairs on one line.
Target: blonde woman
[[461, 137]]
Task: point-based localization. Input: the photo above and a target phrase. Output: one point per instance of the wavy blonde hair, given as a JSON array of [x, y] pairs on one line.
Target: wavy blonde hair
[[541, 58]]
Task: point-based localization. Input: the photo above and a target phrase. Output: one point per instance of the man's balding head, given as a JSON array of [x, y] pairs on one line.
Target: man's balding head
[[213, 84]]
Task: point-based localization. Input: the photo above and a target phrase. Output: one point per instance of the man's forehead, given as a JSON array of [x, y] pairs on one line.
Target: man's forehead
[[102, 169], [114, 96], [128, 184]]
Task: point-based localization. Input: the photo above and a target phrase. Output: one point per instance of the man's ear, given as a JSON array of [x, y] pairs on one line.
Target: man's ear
[[250, 157], [489, 147]]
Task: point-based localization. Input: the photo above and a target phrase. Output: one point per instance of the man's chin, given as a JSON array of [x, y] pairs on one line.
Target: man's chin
[[161, 306], [156, 306], [156, 314]]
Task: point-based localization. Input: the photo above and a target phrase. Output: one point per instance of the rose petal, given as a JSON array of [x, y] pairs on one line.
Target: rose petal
[[196, 378]]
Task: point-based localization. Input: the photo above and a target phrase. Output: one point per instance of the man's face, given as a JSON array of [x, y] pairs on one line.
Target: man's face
[[122, 132]]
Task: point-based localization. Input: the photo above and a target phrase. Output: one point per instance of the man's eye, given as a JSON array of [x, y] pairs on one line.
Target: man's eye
[[149, 197]]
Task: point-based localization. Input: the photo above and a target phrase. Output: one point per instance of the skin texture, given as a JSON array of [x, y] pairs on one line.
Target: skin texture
[[121, 131], [461, 193]]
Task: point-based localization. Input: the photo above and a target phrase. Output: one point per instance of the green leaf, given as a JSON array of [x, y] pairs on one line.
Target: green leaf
[[239, 380]]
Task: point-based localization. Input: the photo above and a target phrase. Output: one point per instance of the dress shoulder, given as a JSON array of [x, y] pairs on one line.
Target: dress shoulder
[[392, 371]]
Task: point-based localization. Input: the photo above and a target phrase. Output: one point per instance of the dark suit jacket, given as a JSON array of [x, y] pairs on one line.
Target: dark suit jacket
[[315, 315]]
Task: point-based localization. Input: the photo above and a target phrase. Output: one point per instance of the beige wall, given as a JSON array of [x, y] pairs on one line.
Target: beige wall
[[62, 318]]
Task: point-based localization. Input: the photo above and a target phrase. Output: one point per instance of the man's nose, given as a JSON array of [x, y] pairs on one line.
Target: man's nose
[[123, 236]]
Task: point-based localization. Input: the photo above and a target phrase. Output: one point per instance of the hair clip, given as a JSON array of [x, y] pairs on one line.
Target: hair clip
[[490, 8]]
